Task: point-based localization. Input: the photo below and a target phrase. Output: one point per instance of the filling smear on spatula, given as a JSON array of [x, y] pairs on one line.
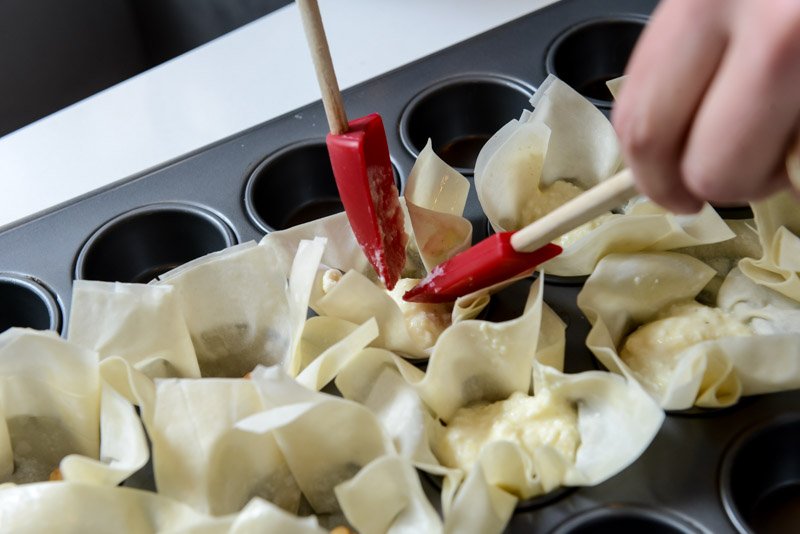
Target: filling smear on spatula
[[361, 165], [364, 177]]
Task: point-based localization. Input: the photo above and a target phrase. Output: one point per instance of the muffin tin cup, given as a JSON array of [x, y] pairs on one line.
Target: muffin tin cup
[[460, 114], [760, 477], [593, 52], [626, 519], [27, 303], [294, 185], [140, 245]]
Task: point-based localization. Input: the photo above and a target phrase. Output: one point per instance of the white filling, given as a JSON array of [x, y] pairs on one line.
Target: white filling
[[424, 322], [530, 422], [571, 237], [329, 279], [550, 198], [652, 350]]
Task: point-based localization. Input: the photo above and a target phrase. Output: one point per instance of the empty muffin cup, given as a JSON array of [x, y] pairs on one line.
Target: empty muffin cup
[[293, 186], [26, 303], [459, 115], [144, 243], [625, 519], [760, 477], [589, 54]]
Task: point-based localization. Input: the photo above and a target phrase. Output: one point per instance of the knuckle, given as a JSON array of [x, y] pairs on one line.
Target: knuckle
[[656, 194], [790, 15], [705, 182], [656, 187], [781, 57], [781, 45], [672, 197], [642, 139]]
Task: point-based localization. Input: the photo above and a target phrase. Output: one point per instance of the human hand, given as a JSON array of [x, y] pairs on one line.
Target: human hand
[[712, 101]]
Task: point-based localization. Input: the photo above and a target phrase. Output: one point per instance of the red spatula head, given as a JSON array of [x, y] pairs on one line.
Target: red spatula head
[[363, 172], [490, 262]]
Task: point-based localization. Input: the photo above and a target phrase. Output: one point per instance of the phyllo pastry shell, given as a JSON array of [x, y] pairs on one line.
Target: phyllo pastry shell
[[648, 326], [56, 411], [564, 146]]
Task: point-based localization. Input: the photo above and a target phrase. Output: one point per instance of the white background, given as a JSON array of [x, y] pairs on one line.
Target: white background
[[244, 78]]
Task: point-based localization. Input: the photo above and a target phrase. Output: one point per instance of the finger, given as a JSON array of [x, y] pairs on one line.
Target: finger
[[774, 183], [668, 74], [737, 146]]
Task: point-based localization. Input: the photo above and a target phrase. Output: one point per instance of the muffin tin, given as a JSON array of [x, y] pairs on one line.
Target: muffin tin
[[733, 470]]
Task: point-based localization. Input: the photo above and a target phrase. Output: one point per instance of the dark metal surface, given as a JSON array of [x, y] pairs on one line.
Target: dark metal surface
[[678, 476], [146, 242], [27, 303], [586, 55], [460, 114]]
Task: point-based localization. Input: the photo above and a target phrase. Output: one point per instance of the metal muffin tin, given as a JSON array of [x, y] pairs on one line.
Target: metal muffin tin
[[724, 471]]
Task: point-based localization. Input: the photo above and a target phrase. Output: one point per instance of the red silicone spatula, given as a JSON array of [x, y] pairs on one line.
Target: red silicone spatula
[[361, 165], [508, 254]]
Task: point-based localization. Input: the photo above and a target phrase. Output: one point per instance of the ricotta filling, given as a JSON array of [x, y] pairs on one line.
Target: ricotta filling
[[531, 422], [652, 350], [550, 198], [424, 322]]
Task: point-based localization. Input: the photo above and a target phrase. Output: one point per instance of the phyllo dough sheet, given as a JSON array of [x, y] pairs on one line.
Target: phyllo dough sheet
[[648, 326], [778, 224], [246, 305], [564, 146], [218, 443], [435, 196], [58, 412], [74, 507], [476, 364]]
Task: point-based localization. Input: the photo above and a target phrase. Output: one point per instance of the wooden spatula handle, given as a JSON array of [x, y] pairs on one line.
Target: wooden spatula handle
[[603, 197], [326, 76]]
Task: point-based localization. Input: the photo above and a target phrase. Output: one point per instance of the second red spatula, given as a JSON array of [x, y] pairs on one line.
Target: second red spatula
[[360, 159], [509, 254]]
